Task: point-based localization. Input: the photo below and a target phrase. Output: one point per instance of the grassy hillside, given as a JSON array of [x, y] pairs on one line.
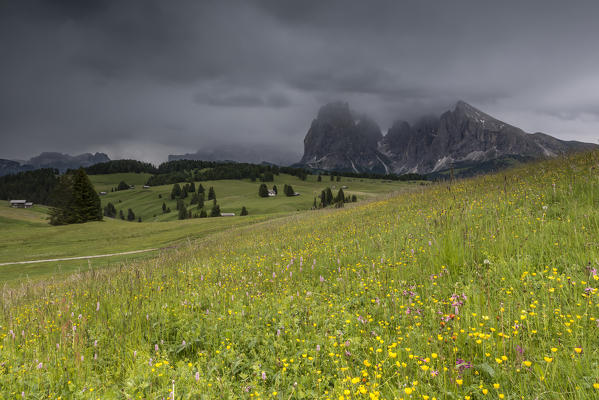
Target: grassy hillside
[[231, 195], [28, 236], [484, 288]]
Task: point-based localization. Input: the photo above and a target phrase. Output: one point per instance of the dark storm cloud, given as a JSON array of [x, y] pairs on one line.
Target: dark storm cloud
[[147, 78]]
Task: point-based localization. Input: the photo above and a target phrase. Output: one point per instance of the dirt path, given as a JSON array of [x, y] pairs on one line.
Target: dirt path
[[78, 258]]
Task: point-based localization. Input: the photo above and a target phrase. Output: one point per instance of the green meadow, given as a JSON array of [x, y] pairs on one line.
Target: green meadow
[[484, 288], [28, 236], [232, 195]]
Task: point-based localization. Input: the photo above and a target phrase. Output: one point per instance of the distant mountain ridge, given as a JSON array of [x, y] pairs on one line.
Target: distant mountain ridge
[[340, 139], [237, 153], [59, 161]]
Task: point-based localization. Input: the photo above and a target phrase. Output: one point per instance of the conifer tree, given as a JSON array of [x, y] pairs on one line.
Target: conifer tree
[[263, 190], [201, 200], [211, 194], [176, 192], [121, 215], [203, 214], [244, 211], [319, 179], [274, 189], [192, 187], [200, 188], [184, 192], [340, 196], [182, 212], [122, 186], [215, 212], [130, 215], [75, 200], [163, 207]]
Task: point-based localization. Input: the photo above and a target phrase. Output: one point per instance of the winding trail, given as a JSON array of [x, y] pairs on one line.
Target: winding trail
[[79, 258]]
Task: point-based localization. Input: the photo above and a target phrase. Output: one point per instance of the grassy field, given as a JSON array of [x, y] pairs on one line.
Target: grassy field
[[231, 195], [482, 288], [27, 235]]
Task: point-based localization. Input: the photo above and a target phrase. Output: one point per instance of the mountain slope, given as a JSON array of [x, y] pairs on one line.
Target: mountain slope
[[340, 140], [462, 136]]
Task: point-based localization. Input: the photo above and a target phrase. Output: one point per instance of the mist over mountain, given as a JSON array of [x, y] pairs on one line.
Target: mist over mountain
[[341, 139], [59, 161], [239, 153]]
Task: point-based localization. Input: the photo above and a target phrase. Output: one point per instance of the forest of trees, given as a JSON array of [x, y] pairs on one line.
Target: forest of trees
[[35, 186], [74, 200], [195, 170], [117, 166]]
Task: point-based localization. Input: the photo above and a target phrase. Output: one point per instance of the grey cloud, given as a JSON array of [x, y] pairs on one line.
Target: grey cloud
[[121, 76]]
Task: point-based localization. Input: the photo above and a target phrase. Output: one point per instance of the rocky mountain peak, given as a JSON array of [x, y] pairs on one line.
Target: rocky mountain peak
[[462, 136]]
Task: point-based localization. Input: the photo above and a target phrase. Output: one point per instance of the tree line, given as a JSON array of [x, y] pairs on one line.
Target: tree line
[[35, 186]]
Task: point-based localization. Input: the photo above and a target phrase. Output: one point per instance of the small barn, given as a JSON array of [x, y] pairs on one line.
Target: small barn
[[21, 204]]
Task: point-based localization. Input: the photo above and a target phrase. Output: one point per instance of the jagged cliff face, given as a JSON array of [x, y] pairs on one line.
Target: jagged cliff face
[[340, 140], [462, 135]]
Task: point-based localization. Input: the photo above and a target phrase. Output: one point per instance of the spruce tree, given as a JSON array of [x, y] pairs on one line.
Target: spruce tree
[[244, 211], [289, 191], [319, 179], [203, 214], [184, 192], [122, 186], [274, 189], [192, 187], [182, 212], [263, 190], [201, 200], [340, 196], [201, 189], [163, 207], [121, 215], [329, 196], [194, 199], [215, 212], [176, 192], [211, 194], [354, 198], [130, 215], [110, 211], [74, 200]]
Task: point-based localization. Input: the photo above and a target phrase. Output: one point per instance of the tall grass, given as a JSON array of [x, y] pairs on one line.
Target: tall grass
[[482, 288]]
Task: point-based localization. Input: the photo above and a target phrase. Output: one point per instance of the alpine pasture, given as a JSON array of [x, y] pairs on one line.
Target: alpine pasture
[[475, 289]]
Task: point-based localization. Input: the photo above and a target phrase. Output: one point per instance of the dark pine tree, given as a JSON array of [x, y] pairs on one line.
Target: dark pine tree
[[130, 215], [121, 215], [192, 187], [263, 190], [176, 192], [215, 212], [75, 200], [274, 189], [201, 200], [200, 188], [184, 192], [319, 179], [182, 212], [244, 211], [340, 196], [354, 198], [194, 199], [289, 190], [203, 214], [122, 186], [211, 194], [163, 207], [110, 211]]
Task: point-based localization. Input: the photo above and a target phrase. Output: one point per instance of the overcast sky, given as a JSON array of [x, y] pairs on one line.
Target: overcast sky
[[144, 79]]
